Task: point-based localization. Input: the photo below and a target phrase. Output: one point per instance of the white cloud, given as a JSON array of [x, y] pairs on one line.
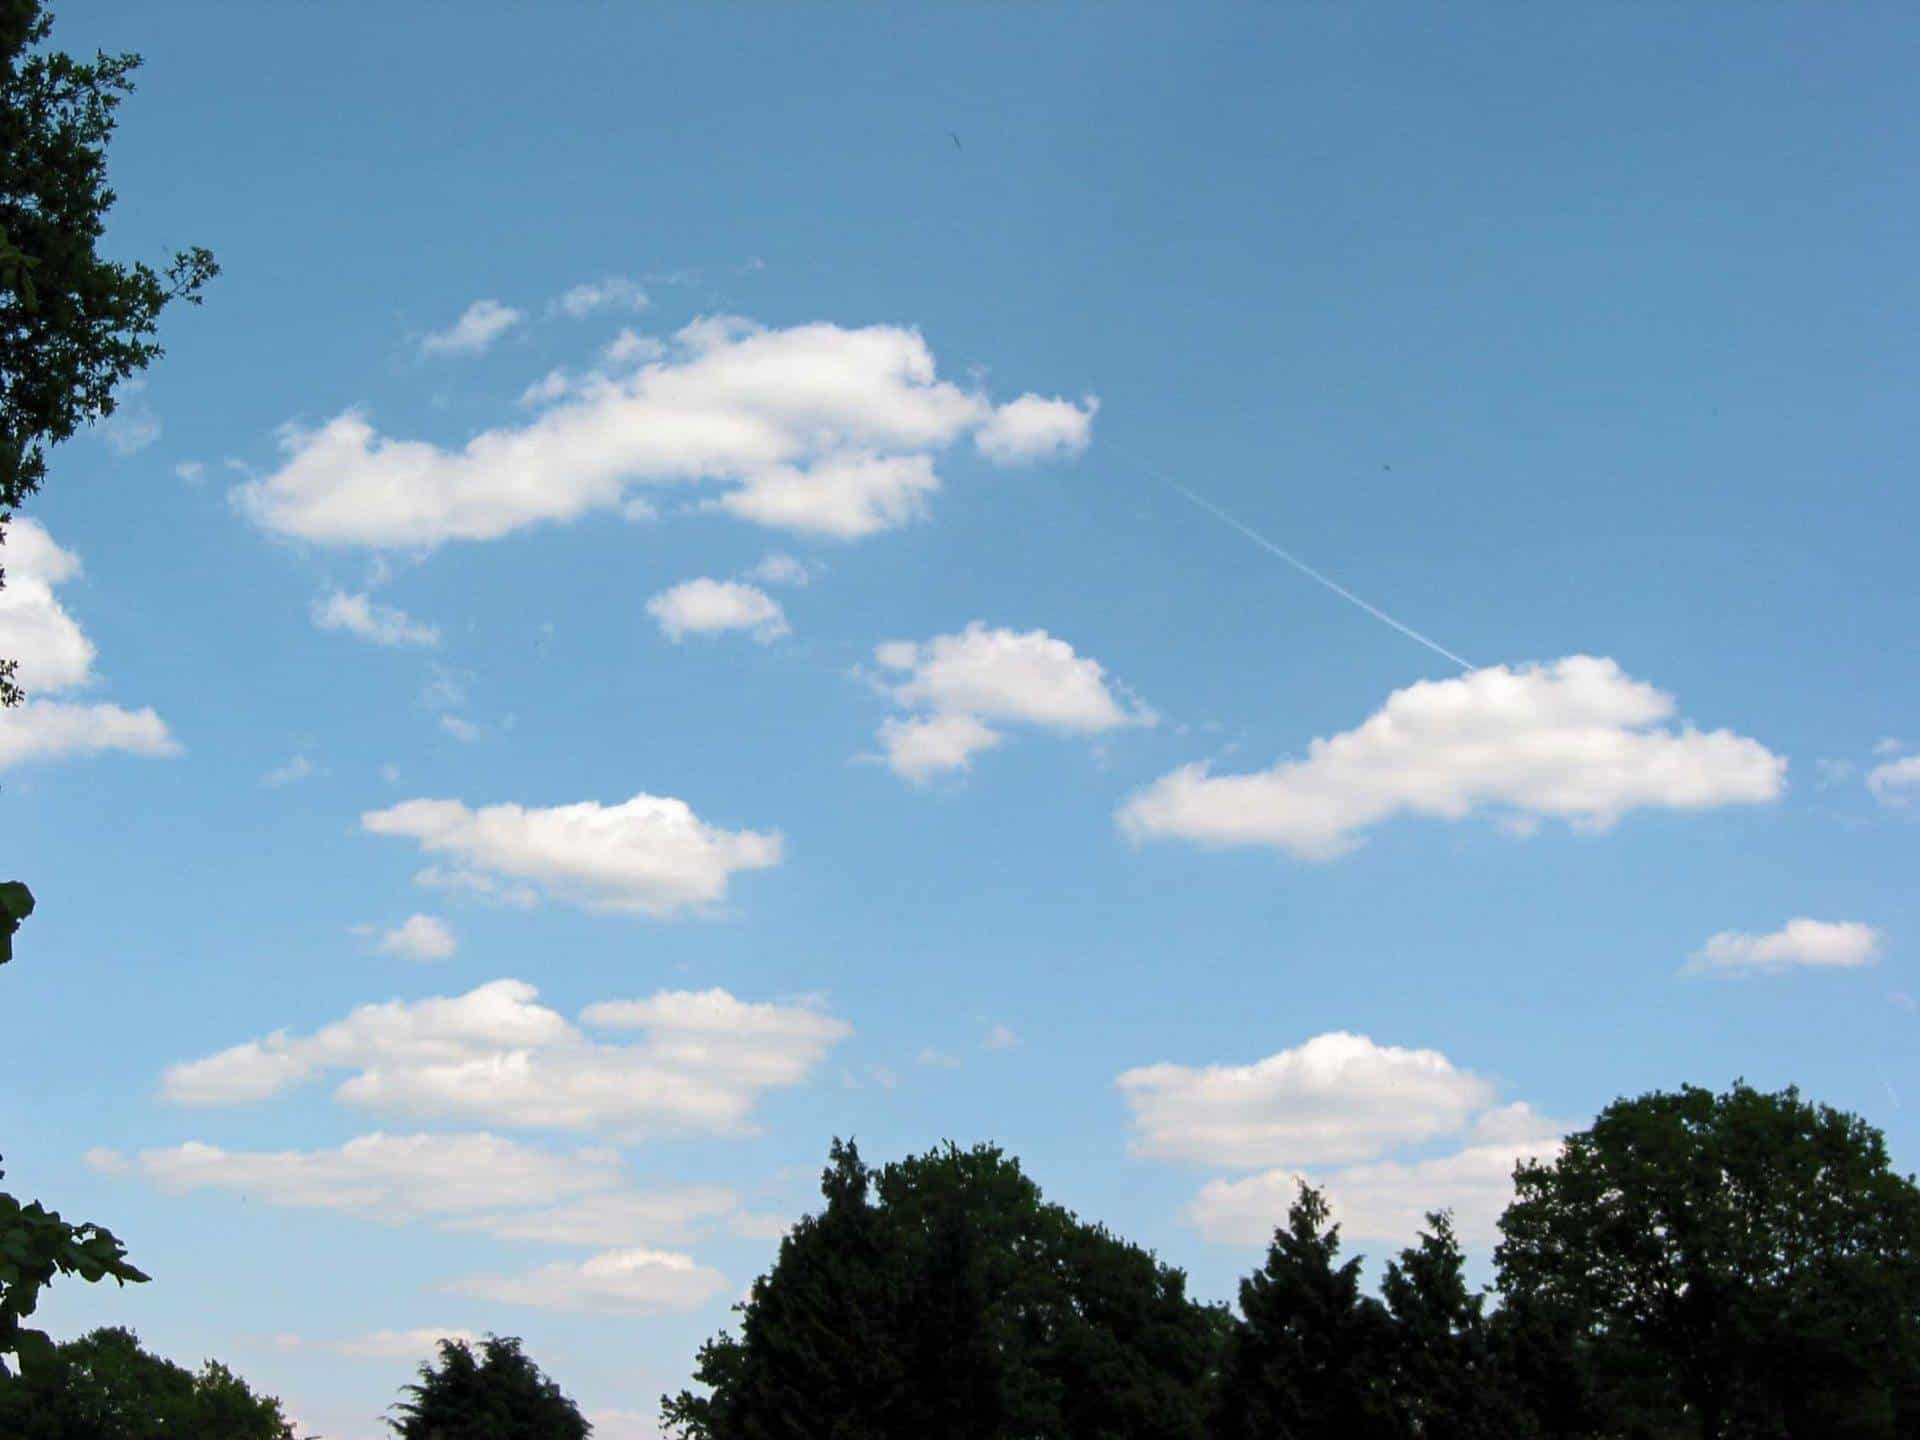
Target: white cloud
[[964, 680], [49, 730], [1036, 428], [1891, 779], [1008, 675], [1800, 943], [391, 1178], [55, 655], [612, 292], [418, 1344], [707, 607], [191, 471], [1576, 739], [419, 937], [133, 426], [934, 744], [631, 347], [622, 1218], [493, 1055], [814, 428], [360, 614], [460, 728], [1386, 1201], [780, 568], [479, 325], [846, 497], [999, 1037], [295, 770], [518, 895], [548, 388], [650, 854], [635, 1282], [1337, 1098]]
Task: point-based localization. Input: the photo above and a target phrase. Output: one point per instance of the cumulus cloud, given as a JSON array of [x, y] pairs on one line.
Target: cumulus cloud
[[1799, 944], [1892, 780], [1338, 1097], [479, 325], [1576, 740], [634, 1282], [419, 937], [815, 428], [399, 1344], [630, 347], [1036, 428], [612, 292], [1354, 1118], [710, 607], [625, 1218], [54, 656], [780, 568], [845, 497], [962, 681], [391, 1178], [1385, 1201], [650, 854], [360, 614], [548, 388], [934, 744], [494, 1055]]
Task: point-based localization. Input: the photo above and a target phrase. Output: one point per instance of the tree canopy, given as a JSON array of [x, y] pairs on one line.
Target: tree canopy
[[1694, 1266], [1744, 1263], [943, 1297], [104, 1386], [496, 1393], [74, 325]]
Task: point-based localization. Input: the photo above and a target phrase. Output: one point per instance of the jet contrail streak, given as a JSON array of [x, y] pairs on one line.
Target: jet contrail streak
[[1313, 574]]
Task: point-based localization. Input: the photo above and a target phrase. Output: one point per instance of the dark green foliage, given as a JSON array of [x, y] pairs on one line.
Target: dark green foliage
[[1309, 1361], [16, 904], [103, 1386], [941, 1297], [73, 325], [1735, 1265], [35, 1246], [1445, 1374], [497, 1394]]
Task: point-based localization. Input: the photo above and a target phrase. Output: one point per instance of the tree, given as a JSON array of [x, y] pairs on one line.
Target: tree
[[943, 1297], [1309, 1359], [36, 1245], [497, 1394], [1733, 1265], [73, 325], [1444, 1370], [104, 1386]]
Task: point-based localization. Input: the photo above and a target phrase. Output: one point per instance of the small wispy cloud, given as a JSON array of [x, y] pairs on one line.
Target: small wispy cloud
[[296, 769], [1799, 944], [479, 325], [610, 292], [358, 613]]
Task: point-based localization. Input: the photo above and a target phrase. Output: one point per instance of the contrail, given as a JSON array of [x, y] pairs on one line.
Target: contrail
[[1311, 573]]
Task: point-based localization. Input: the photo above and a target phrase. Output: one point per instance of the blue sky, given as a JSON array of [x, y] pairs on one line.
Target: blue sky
[[1552, 335]]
